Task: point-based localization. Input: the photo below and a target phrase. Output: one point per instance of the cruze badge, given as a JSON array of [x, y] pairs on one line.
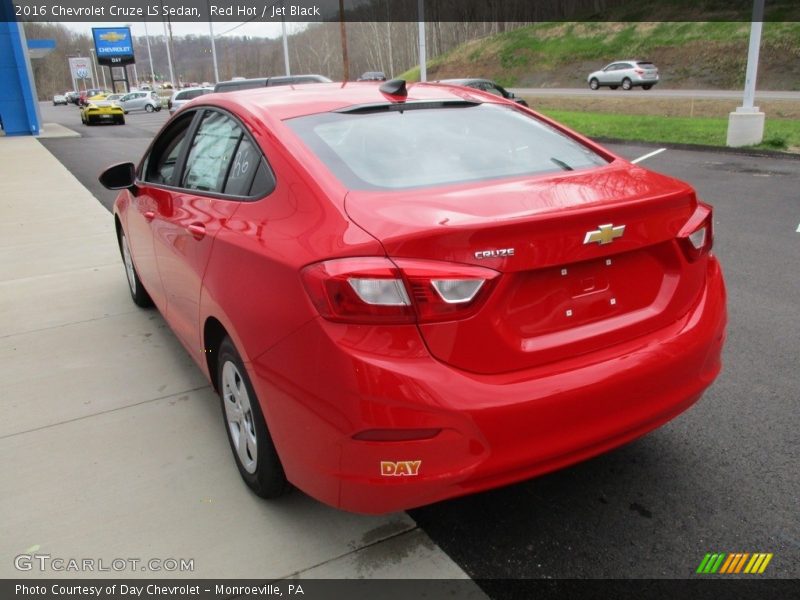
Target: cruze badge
[[501, 253], [605, 234]]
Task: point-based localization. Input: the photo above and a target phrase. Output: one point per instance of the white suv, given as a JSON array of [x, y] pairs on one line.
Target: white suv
[[625, 74], [181, 97]]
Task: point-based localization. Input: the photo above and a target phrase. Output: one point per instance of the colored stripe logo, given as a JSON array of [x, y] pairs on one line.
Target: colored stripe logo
[[734, 563]]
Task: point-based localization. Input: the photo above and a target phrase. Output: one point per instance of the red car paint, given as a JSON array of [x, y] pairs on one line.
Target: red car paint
[[567, 350]]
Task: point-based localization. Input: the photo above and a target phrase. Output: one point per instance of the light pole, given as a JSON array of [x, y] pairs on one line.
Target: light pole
[[97, 69], [169, 56], [746, 124], [149, 53]]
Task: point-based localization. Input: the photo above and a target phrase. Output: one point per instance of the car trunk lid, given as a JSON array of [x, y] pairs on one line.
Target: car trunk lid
[[588, 259]]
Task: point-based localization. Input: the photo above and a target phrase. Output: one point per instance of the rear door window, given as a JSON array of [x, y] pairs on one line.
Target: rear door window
[[211, 153]]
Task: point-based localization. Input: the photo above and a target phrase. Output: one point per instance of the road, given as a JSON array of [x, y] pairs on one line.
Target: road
[[657, 92], [114, 143], [722, 477]]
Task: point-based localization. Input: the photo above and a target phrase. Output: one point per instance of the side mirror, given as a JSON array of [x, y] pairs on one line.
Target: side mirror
[[118, 177]]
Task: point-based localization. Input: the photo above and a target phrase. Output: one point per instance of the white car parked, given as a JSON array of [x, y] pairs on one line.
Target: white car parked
[[149, 101]]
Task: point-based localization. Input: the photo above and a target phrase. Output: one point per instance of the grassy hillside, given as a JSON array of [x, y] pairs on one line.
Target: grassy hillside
[[689, 55]]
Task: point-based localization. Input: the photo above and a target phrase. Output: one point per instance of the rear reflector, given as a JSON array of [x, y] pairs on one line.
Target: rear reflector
[[396, 435]]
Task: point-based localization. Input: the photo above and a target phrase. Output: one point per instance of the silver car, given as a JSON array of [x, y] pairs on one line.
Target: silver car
[[149, 101], [625, 74], [181, 97]]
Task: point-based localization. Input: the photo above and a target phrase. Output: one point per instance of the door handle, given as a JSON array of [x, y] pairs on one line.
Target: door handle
[[149, 215], [198, 230]]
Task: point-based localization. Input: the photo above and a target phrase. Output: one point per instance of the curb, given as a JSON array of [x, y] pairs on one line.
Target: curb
[[754, 152]]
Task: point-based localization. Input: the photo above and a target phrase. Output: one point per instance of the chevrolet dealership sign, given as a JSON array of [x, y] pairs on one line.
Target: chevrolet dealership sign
[[114, 45]]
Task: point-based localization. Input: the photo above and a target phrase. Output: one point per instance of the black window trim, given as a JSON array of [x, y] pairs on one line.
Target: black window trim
[[180, 163]]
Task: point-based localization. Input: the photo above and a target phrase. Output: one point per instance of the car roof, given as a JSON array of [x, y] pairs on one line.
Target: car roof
[[289, 101]]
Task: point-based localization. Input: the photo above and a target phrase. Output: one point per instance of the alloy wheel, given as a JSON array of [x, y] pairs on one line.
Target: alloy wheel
[[239, 415], [126, 258]]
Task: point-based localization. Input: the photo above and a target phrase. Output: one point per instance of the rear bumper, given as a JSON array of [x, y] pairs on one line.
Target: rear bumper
[[639, 80], [327, 382]]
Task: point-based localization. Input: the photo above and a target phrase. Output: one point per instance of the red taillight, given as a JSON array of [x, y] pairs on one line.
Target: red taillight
[[697, 236], [639, 71], [378, 290]]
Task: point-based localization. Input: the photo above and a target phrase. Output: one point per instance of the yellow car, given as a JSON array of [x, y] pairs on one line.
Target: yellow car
[[102, 112]]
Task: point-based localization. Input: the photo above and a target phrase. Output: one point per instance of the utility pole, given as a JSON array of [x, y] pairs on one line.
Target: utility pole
[[343, 30], [423, 67], [286, 66], [213, 43]]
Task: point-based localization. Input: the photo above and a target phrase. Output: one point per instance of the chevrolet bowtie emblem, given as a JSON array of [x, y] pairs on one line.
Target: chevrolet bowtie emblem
[[605, 234], [112, 36]]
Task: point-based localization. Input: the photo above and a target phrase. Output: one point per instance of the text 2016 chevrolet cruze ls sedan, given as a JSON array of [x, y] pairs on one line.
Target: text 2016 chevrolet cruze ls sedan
[[408, 294]]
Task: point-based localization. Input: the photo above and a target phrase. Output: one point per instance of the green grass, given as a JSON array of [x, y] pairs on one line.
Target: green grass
[[557, 43], [778, 134], [553, 47]]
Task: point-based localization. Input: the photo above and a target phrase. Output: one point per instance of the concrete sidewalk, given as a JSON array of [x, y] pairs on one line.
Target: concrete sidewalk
[[112, 443]]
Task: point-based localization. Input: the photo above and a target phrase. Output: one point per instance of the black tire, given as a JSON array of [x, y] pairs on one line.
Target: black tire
[[613, 87], [120, 121], [594, 84], [647, 86], [158, 109], [266, 476], [149, 108], [139, 295], [627, 84]]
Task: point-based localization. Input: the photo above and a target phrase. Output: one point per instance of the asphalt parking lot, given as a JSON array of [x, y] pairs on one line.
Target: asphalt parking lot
[[722, 477]]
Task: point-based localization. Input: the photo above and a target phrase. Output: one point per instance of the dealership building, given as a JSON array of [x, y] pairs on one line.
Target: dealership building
[[19, 106]]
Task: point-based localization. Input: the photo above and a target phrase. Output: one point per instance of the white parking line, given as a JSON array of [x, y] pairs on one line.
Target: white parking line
[[648, 155]]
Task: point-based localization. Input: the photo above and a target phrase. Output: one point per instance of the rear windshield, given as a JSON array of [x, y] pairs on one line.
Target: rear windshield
[[438, 146], [646, 65]]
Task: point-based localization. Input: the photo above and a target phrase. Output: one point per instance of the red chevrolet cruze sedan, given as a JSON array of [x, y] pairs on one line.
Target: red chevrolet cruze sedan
[[408, 294]]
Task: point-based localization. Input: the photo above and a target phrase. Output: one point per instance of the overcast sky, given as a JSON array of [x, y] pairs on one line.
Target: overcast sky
[[270, 30]]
